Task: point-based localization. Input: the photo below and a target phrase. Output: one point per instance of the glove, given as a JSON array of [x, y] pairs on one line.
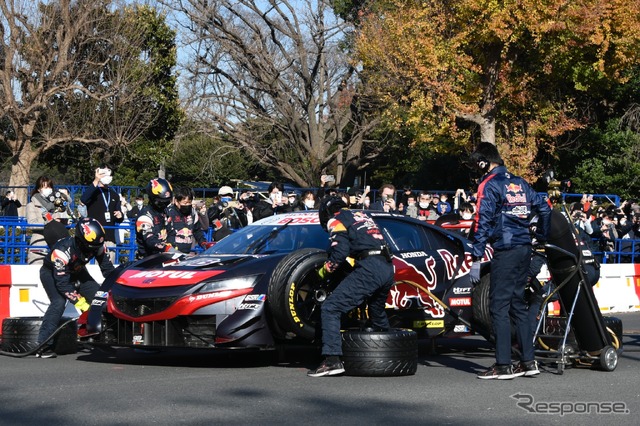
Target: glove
[[322, 272], [474, 274], [82, 304]]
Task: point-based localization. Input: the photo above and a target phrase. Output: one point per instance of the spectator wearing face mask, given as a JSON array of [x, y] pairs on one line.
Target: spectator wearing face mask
[[103, 203], [426, 208], [293, 202], [39, 212], [226, 215], [136, 207], [275, 204], [307, 201]]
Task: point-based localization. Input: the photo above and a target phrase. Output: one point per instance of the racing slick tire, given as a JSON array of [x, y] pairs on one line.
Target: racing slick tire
[[20, 334], [296, 293], [480, 302], [380, 353]]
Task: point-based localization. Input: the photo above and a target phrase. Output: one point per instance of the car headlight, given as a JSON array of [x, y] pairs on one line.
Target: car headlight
[[236, 283]]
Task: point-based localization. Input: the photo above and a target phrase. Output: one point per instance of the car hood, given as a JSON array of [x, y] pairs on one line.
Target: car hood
[[165, 271]]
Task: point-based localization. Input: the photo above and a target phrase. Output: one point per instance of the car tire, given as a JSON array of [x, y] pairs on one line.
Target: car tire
[[20, 335], [296, 292], [380, 353], [480, 307]]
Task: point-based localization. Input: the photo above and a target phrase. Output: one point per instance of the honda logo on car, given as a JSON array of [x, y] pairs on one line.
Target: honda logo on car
[[460, 301]]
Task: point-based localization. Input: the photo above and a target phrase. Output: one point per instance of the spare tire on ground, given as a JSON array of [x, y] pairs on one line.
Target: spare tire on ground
[[20, 334], [380, 353]]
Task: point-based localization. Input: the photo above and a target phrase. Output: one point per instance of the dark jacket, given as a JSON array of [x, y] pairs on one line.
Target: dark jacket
[[351, 233], [151, 232], [505, 206], [183, 231], [100, 200], [67, 262]]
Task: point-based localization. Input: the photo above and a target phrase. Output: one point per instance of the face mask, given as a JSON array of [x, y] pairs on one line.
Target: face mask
[[139, 204], [46, 192], [185, 210], [424, 205], [276, 197], [309, 203], [411, 204], [292, 200], [106, 180], [467, 216]]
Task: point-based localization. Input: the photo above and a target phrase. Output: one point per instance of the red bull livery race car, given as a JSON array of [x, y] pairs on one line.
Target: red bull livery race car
[[259, 287]]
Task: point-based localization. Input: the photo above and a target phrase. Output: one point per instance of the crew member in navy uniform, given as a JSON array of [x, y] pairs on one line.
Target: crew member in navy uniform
[[505, 206], [183, 224], [352, 234], [151, 224], [64, 276]]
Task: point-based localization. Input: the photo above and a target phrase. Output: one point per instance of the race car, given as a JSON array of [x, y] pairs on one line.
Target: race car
[[259, 287]]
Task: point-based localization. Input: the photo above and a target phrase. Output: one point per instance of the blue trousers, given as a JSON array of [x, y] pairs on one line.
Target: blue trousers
[[57, 301], [508, 280], [371, 281]]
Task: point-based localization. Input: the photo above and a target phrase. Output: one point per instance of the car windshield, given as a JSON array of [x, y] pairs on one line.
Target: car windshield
[[272, 238]]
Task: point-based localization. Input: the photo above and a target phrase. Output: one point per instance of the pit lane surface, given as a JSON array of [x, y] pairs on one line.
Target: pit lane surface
[[134, 388]]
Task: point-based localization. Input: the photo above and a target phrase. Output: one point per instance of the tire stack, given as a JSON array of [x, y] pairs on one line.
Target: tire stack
[[20, 335], [380, 353]]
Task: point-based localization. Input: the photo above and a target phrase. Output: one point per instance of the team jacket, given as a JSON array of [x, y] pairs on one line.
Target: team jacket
[[351, 233], [67, 262], [182, 230], [151, 232], [505, 205]]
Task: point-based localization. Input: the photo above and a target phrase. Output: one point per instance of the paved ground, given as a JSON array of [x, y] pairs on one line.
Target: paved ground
[[133, 388]]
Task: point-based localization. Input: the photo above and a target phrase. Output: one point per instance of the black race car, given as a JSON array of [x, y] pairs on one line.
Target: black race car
[[258, 287]]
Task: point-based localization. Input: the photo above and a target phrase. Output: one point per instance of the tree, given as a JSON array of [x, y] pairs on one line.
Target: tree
[[74, 72], [271, 76], [510, 73]]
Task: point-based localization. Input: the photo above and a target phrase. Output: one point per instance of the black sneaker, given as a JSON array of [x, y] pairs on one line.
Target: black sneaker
[[497, 371], [527, 369], [46, 353], [327, 368]]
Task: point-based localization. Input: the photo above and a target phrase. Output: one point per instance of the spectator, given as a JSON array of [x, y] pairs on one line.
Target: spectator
[[459, 198], [273, 205], [308, 201], [134, 212], [226, 215], [10, 205], [293, 201], [412, 209], [125, 207], [40, 212], [426, 210], [443, 206], [184, 229], [386, 201], [103, 204], [326, 182], [404, 198], [151, 224]]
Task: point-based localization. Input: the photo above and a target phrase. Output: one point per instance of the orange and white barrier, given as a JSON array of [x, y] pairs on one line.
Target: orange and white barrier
[[22, 294]]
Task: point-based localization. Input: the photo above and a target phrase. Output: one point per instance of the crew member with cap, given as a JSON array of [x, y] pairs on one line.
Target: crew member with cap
[[505, 206], [65, 277], [352, 234]]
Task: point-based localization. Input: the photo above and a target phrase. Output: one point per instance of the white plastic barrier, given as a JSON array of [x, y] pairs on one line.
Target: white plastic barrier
[[27, 297]]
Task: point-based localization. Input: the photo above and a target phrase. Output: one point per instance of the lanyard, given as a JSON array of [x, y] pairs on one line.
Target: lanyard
[[107, 201]]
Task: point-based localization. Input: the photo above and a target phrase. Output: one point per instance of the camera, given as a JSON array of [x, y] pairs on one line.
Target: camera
[[59, 201]]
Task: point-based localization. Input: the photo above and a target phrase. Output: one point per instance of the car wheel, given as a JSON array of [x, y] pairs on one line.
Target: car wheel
[[296, 293], [20, 335], [380, 353]]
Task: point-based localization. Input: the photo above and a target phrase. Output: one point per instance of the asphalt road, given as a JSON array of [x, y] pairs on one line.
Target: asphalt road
[[134, 388]]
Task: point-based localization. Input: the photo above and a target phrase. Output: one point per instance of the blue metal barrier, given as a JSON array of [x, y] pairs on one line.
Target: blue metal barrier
[[15, 237]]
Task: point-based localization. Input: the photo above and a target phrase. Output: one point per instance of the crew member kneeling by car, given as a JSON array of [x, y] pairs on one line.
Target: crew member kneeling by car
[[352, 234], [65, 277]]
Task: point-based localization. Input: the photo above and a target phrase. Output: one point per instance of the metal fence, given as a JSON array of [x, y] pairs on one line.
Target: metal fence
[[15, 237]]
